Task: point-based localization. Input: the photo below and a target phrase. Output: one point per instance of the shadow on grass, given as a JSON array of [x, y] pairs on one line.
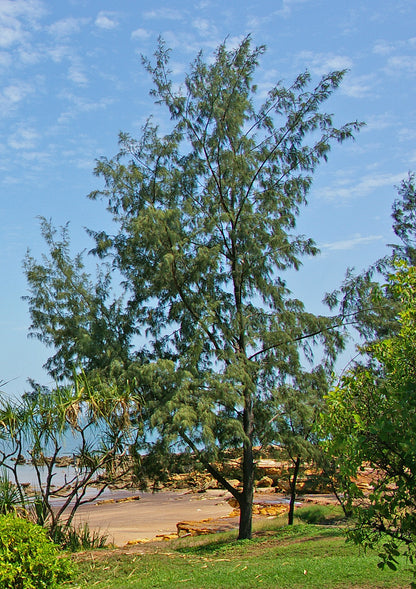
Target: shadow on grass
[[279, 534]]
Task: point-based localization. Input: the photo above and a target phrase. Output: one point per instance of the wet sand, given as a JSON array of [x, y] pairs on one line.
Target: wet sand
[[154, 513]]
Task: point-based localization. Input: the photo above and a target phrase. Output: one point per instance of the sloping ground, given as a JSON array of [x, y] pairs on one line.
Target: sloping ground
[[162, 515], [193, 504], [153, 514]]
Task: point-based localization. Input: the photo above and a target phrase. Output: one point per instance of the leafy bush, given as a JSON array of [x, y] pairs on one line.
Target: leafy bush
[[10, 499], [28, 558], [80, 538], [315, 514]]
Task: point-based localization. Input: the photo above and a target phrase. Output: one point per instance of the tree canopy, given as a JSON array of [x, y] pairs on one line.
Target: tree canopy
[[370, 420], [206, 228], [73, 312]]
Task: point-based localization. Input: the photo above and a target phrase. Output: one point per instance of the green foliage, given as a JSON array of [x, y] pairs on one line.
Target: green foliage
[[370, 306], [299, 557], [205, 219], [10, 498], [296, 407], [28, 559], [78, 538], [371, 419], [73, 312], [404, 217], [97, 414], [318, 514]]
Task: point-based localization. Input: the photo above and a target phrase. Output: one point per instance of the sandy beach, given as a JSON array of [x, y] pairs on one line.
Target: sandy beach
[[126, 519], [154, 513]]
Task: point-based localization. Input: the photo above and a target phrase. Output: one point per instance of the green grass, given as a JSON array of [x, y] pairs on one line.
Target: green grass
[[304, 556]]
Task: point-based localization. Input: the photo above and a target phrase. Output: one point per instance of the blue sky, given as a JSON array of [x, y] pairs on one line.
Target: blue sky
[[71, 79]]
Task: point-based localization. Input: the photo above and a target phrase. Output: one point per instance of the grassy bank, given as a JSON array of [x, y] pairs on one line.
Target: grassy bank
[[304, 556]]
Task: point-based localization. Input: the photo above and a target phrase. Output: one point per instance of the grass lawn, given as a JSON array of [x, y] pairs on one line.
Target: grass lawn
[[304, 556]]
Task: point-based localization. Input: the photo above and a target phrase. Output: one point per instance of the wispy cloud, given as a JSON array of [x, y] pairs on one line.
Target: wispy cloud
[[379, 122], [203, 4], [287, 6], [258, 19], [344, 188], [81, 105], [13, 15], [106, 20], [400, 55], [23, 138], [383, 48], [204, 27], [349, 244], [407, 134], [189, 42], [5, 59], [358, 86], [164, 13], [12, 95], [141, 34], [67, 27], [401, 64], [322, 63], [77, 74]]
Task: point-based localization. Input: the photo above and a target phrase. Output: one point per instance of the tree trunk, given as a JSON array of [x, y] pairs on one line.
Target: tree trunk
[[246, 496], [246, 515], [293, 491]]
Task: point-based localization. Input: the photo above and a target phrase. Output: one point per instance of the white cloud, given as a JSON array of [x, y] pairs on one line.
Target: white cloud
[[345, 189], [164, 13], [9, 35], [379, 122], [140, 34], [59, 52], [383, 48], [12, 95], [348, 244], [67, 27], [259, 19], [23, 138], [358, 86], [287, 5], [77, 75], [13, 14], [81, 105], [323, 63], [29, 55], [31, 9], [188, 43], [204, 27], [106, 20], [401, 63], [399, 55], [407, 134]]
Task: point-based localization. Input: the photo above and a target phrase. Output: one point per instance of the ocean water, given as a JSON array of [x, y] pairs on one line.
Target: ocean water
[[27, 474]]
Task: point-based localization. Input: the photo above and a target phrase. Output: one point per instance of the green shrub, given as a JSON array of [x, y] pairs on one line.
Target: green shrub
[[78, 538], [28, 558], [315, 514], [10, 499]]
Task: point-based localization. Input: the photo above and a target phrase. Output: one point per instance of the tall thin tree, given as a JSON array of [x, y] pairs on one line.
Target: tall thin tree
[[206, 219]]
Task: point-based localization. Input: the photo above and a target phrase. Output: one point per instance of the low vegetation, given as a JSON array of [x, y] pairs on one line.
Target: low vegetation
[[28, 558], [278, 556]]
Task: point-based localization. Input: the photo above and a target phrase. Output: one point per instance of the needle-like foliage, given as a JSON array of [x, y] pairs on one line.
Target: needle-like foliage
[[206, 217]]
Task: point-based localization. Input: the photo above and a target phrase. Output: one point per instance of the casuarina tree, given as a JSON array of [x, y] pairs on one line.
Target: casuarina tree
[[205, 215]]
